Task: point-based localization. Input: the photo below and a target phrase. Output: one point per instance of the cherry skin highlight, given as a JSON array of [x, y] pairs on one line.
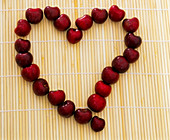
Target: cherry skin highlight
[[131, 25], [99, 15], [96, 103], [66, 109], [24, 59], [34, 16], [40, 87], [131, 55], [132, 41], [116, 14], [74, 35], [51, 13], [97, 124], [84, 23], [83, 116], [120, 64], [31, 73], [62, 23], [56, 97], [22, 46], [23, 28], [109, 76], [102, 89]]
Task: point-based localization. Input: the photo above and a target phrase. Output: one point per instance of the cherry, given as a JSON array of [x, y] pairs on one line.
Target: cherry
[[40, 87], [132, 41], [23, 28], [109, 76], [131, 55], [96, 103], [22, 46], [24, 59], [74, 35], [34, 16], [62, 23], [84, 23], [56, 97], [99, 15], [102, 89], [97, 124], [131, 25], [66, 109], [31, 73], [116, 14], [120, 64], [83, 116], [51, 13]]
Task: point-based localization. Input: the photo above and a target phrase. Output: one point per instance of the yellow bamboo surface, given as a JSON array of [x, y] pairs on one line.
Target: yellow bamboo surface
[[139, 105]]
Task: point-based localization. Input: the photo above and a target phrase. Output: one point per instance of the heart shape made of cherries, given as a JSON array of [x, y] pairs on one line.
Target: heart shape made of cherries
[[110, 75]]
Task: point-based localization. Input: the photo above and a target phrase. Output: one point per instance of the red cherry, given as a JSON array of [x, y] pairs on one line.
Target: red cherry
[[66, 109], [131, 55], [23, 28], [40, 87], [56, 97], [84, 23], [34, 16], [131, 25], [109, 76], [102, 89], [22, 46], [74, 35], [97, 124], [120, 64], [96, 103], [99, 15], [132, 41], [116, 14], [62, 23], [31, 73], [24, 59], [83, 116], [51, 13]]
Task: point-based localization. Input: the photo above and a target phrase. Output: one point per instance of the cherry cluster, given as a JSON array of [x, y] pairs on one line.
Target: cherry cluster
[[110, 74]]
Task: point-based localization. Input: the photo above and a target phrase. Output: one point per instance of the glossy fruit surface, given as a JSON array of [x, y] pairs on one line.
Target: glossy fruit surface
[[116, 14], [131, 55], [132, 41], [99, 15], [23, 28], [51, 13], [97, 124], [31, 73], [109, 76], [96, 103], [24, 59], [66, 109], [84, 23], [40, 87], [120, 64], [22, 46], [56, 97], [102, 89], [34, 15], [74, 35], [62, 23], [131, 25], [83, 116]]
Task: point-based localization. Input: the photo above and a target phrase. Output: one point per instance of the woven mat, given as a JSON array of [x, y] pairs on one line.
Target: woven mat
[[139, 105]]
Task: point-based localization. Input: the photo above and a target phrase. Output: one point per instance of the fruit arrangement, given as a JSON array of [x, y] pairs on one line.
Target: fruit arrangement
[[110, 74]]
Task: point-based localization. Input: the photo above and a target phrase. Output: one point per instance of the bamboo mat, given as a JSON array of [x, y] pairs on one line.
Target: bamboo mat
[[139, 105]]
